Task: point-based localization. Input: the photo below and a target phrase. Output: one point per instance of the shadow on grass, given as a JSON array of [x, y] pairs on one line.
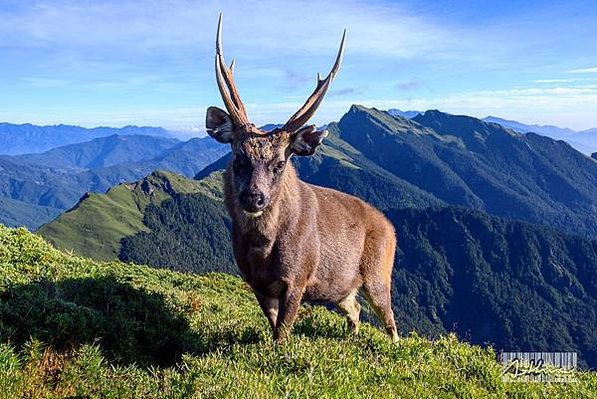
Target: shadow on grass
[[130, 325]]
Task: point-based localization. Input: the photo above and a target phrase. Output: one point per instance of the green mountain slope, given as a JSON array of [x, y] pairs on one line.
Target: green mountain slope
[[465, 161], [96, 225], [102, 152], [71, 327]]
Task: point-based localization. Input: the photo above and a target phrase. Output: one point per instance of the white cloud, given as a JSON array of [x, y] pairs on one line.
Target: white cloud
[[251, 28], [571, 107], [584, 70], [555, 80], [44, 82]]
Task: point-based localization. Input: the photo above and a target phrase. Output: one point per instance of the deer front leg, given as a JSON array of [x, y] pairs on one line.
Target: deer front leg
[[290, 301], [269, 306]]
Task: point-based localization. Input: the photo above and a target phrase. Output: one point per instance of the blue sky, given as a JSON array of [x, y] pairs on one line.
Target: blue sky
[[151, 62]]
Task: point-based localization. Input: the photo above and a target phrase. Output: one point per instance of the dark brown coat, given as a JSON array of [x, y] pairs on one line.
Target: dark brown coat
[[313, 244], [294, 241]]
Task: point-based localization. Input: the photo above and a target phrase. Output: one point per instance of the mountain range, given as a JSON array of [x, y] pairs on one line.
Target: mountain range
[[39, 186], [584, 141], [496, 229], [433, 159], [101, 152], [27, 138]]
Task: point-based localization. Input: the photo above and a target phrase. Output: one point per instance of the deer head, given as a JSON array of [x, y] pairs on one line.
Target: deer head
[[259, 158]]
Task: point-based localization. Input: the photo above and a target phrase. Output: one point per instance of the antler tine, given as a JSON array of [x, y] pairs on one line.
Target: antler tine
[[305, 113], [226, 85]]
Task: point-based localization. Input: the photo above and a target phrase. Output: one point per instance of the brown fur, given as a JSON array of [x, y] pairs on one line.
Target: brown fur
[[294, 241], [314, 244]]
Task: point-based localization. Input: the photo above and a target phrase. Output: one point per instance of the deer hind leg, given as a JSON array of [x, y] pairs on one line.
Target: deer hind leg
[[377, 265], [351, 308], [379, 298]]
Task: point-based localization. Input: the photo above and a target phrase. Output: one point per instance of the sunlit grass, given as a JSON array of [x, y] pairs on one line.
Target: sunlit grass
[[146, 333]]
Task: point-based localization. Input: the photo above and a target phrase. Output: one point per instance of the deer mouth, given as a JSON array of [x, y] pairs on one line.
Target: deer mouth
[[252, 215]]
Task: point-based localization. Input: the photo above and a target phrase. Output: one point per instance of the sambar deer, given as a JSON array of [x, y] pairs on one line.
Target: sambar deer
[[294, 241]]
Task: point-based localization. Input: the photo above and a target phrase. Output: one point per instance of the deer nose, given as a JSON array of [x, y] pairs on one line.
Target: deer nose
[[253, 201]]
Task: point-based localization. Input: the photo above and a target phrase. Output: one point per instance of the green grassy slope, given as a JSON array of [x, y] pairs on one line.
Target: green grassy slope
[[71, 327], [96, 225]]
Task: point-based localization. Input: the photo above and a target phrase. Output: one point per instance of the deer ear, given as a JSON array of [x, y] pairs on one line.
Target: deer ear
[[219, 124], [306, 140]]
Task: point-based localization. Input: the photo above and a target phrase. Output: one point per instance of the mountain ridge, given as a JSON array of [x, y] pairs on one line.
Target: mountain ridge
[[584, 141], [28, 138], [102, 152], [464, 161]]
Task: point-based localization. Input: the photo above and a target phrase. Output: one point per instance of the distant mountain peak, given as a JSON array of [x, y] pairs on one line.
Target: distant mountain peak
[[585, 141], [404, 114], [464, 126], [27, 138], [359, 114]]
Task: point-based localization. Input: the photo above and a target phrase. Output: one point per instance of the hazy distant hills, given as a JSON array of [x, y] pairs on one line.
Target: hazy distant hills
[[584, 141], [28, 138], [545, 130], [18, 213], [102, 152], [57, 178], [404, 114]]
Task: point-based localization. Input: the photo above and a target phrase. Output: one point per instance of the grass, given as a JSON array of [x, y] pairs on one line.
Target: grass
[[96, 225], [72, 327]]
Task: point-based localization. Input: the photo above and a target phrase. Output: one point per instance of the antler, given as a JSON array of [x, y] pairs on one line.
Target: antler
[[228, 89], [305, 113]]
